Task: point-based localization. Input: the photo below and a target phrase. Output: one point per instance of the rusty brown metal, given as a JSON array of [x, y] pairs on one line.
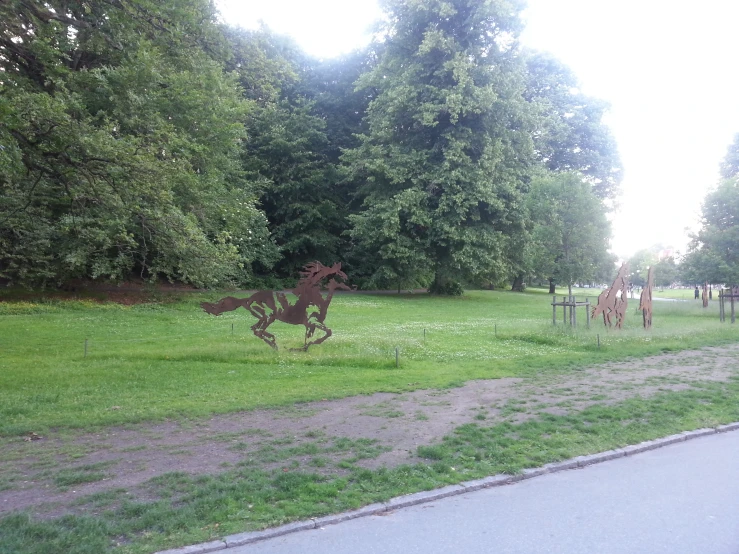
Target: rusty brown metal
[[612, 302], [310, 309], [645, 300]]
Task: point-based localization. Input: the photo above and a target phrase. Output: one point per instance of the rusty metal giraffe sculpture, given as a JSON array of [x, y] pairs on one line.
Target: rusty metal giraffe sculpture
[[613, 301], [645, 300], [310, 309]]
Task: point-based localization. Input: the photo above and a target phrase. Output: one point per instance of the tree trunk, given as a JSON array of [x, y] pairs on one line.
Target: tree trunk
[[551, 287], [517, 285]]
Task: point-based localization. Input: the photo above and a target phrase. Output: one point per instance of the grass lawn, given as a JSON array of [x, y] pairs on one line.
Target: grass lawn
[[171, 360], [151, 361]]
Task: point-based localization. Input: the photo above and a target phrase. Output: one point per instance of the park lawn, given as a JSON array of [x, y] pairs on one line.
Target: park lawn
[[152, 361]]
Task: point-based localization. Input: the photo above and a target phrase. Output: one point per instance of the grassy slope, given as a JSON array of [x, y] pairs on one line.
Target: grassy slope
[[153, 361]]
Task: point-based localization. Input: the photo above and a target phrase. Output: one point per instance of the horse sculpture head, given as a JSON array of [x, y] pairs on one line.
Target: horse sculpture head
[[314, 272]]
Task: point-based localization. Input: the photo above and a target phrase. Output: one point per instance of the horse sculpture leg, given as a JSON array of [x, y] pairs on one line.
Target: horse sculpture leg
[[310, 329], [262, 306], [260, 330]]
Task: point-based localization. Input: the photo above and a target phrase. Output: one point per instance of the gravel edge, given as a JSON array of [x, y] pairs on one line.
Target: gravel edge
[[451, 490]]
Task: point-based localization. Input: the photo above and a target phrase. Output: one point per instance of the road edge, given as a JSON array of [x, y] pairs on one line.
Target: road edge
[[423, 497]]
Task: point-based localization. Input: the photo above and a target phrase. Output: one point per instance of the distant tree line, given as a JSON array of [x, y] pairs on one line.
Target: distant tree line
[[145, 138]]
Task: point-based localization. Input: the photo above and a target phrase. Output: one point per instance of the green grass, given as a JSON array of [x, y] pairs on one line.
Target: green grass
[[89, 473], [185, 509], [154, 361], [171, 360]]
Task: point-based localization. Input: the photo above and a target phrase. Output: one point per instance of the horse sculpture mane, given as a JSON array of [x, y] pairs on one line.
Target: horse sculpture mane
[[270, 306]]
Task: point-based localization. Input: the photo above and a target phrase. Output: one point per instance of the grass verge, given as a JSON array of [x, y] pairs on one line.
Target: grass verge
[[188, 509]]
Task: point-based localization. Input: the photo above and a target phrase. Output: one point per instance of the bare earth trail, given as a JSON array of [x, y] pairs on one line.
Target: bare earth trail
[[389, 426]]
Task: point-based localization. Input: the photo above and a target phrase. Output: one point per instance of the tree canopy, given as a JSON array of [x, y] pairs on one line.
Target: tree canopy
[[443, 163], [121, 140], [570, 231], [142, 138]]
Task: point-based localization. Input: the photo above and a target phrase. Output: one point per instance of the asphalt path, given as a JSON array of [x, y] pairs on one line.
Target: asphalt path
[[680, 499]]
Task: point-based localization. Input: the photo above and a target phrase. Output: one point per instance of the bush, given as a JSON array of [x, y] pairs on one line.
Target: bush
[[449, 288]]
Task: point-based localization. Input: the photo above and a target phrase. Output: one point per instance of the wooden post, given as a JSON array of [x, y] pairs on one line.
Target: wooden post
[[554, 310], [564, 310], [587, 311], [733, 318], [574, 312], [721, 306]]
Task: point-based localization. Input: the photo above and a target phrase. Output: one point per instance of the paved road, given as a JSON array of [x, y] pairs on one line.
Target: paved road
[[680, 499]]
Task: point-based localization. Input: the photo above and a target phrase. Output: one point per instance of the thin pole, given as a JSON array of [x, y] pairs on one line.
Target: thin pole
[[732, 306], [424, 335], [574, 312], [569, 308], [587, 311], [564, 310], [598, 340], [554, 310], [232, 328]]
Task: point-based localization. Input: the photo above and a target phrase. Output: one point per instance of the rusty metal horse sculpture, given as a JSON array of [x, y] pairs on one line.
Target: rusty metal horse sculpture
[[269, 306], [612, 302]]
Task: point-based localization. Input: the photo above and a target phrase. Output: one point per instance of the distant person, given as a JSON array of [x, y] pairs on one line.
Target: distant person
[[697, 293]]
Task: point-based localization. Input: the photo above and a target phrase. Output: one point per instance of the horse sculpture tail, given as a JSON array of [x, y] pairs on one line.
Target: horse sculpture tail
[[227, 304]]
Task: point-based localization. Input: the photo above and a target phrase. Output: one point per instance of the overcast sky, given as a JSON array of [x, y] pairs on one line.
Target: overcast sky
[[668, 69]]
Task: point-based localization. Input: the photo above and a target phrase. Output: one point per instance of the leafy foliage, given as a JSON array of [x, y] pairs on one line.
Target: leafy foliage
[[144, 138], [570, 134], [121, 134], [570, 231], [730, 164], [714, 252], [442, 166]]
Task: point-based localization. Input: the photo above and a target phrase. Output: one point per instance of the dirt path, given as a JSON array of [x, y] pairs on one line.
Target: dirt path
[[48, 475]]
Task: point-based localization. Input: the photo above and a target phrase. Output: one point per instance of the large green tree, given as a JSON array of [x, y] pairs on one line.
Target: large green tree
[[713, 254], [570, 133], [305, 112], [730, 164], [120, 145], [714, 250], [570, 231], [442, 166]]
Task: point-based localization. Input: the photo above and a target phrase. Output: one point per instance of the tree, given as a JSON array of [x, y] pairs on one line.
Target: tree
[[713, 255], [666, 272], [295, 131], [570, 232], [640, 263], [442, 166], [121, 133], [730, 164], [570, 134]]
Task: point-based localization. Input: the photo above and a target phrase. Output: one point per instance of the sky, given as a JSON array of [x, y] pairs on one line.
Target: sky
[[666, 67]]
